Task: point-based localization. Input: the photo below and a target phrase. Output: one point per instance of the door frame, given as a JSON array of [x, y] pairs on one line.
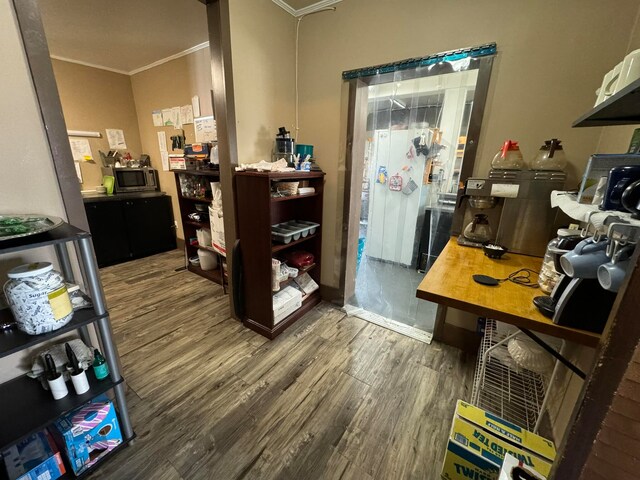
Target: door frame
[[355, 148]]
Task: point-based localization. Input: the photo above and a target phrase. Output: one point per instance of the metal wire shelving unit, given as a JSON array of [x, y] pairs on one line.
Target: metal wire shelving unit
[[504, 388]]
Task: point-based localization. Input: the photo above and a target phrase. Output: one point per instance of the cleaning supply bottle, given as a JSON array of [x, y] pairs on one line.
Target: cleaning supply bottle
[[100, 367]]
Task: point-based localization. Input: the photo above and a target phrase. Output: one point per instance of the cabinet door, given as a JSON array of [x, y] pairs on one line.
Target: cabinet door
[[150, 225], [108, 231]]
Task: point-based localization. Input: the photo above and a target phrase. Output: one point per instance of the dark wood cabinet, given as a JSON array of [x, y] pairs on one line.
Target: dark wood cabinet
[[108, 232], [189, 226], [149, 225], [128, 228], [256, 212]]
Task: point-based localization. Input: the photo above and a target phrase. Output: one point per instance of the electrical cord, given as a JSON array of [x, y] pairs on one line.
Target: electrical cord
[[522, 277]]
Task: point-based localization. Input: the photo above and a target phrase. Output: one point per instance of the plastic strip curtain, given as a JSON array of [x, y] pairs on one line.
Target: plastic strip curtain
[[412, 161]]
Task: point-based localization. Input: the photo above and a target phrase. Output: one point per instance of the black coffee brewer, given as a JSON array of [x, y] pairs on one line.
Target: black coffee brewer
[[578, 302]]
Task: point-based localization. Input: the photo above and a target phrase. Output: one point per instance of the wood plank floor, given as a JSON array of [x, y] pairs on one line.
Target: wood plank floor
[[334, 397]]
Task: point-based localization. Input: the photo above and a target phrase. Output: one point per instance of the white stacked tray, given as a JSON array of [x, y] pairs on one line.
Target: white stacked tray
[[292, 230]]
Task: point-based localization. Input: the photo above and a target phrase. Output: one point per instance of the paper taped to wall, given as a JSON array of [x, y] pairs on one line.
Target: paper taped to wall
[[78, 171], [195, 104], [157, 118], [167, 117], [175, 115], [116, 139], [81, 149], [165, 160], [162, 141], [186, 114], [205, 128]]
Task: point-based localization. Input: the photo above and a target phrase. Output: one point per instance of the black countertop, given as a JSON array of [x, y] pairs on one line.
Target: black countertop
[[103, 197]]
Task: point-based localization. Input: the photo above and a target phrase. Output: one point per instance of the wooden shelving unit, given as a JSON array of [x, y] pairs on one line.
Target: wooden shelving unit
[[26, 407], [189, 226], [256, 211]]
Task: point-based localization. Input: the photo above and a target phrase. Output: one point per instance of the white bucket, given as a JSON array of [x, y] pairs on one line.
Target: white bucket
[[208, 260]]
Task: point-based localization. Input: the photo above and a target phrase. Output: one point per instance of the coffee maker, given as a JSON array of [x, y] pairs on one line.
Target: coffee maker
[[517, 203]]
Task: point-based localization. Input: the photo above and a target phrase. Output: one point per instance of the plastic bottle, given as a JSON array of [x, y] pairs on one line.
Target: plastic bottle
[[564, 242], [509, 157], [100, 367]]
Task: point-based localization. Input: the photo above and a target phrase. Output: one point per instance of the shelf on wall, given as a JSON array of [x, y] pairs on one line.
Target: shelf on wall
[[282, 246], [623, 108], [213, 275], [208, 173], [196, 199], [27, 407], [12, 341], [61, 234], [194, 223], [293, 197], [300, 272]]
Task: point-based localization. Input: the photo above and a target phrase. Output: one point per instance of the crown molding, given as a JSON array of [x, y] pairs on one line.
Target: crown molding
[[315, 7], [306, 10], [195, 48], [285, 6], [87, 64]]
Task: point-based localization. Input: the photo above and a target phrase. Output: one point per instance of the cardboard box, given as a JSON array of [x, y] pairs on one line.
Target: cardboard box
[[285, 302], [181, 163], [88, 433], [599, 166], [480, 440], [34, 458], [511, 464]]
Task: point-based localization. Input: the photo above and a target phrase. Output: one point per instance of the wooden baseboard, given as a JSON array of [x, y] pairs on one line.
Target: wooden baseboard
[[466, 340]]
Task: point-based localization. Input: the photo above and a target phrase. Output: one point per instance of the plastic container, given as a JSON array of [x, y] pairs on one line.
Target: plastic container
[[550, 156], [204, 237], [208, 260], [38, 298], [509, 157], [550, 271]]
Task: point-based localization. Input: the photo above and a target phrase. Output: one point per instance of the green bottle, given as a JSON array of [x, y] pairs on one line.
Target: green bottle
[[100, 367]]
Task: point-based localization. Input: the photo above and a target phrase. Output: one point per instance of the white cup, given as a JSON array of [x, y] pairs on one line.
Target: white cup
[[58, 387], [584, 260], [630, 71], [612, 274], [612, 87]]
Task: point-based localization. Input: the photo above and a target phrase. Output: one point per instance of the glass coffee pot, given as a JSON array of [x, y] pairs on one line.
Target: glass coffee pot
[[509, 157], [479, 229], [550, 156]]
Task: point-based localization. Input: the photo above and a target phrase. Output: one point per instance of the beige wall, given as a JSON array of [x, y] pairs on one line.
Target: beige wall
[[27, 183], [169, 85], [95, 100], [617, 139], [552, 56], [262, 43]]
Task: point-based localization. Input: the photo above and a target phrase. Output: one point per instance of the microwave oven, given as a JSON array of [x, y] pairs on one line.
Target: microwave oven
[[132, 179]]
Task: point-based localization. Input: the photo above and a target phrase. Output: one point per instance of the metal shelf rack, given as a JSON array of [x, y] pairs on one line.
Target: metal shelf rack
[[25, 405], [502, 387]]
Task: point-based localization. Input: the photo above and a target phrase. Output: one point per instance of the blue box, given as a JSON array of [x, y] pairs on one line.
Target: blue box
[[33, 458], [88, 433]]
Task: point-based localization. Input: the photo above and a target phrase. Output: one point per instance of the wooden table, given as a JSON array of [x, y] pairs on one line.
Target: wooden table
[[449, 283]]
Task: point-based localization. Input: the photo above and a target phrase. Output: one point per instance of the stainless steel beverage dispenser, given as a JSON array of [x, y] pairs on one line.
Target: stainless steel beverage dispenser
[[522, 217]]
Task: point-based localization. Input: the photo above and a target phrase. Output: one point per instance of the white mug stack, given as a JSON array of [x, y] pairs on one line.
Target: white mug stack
[[623, 74]]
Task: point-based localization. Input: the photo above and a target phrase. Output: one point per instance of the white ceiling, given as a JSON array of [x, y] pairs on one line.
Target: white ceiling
[[122, 35]]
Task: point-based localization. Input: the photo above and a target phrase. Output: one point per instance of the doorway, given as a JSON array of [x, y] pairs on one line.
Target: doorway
[[416, 126]]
